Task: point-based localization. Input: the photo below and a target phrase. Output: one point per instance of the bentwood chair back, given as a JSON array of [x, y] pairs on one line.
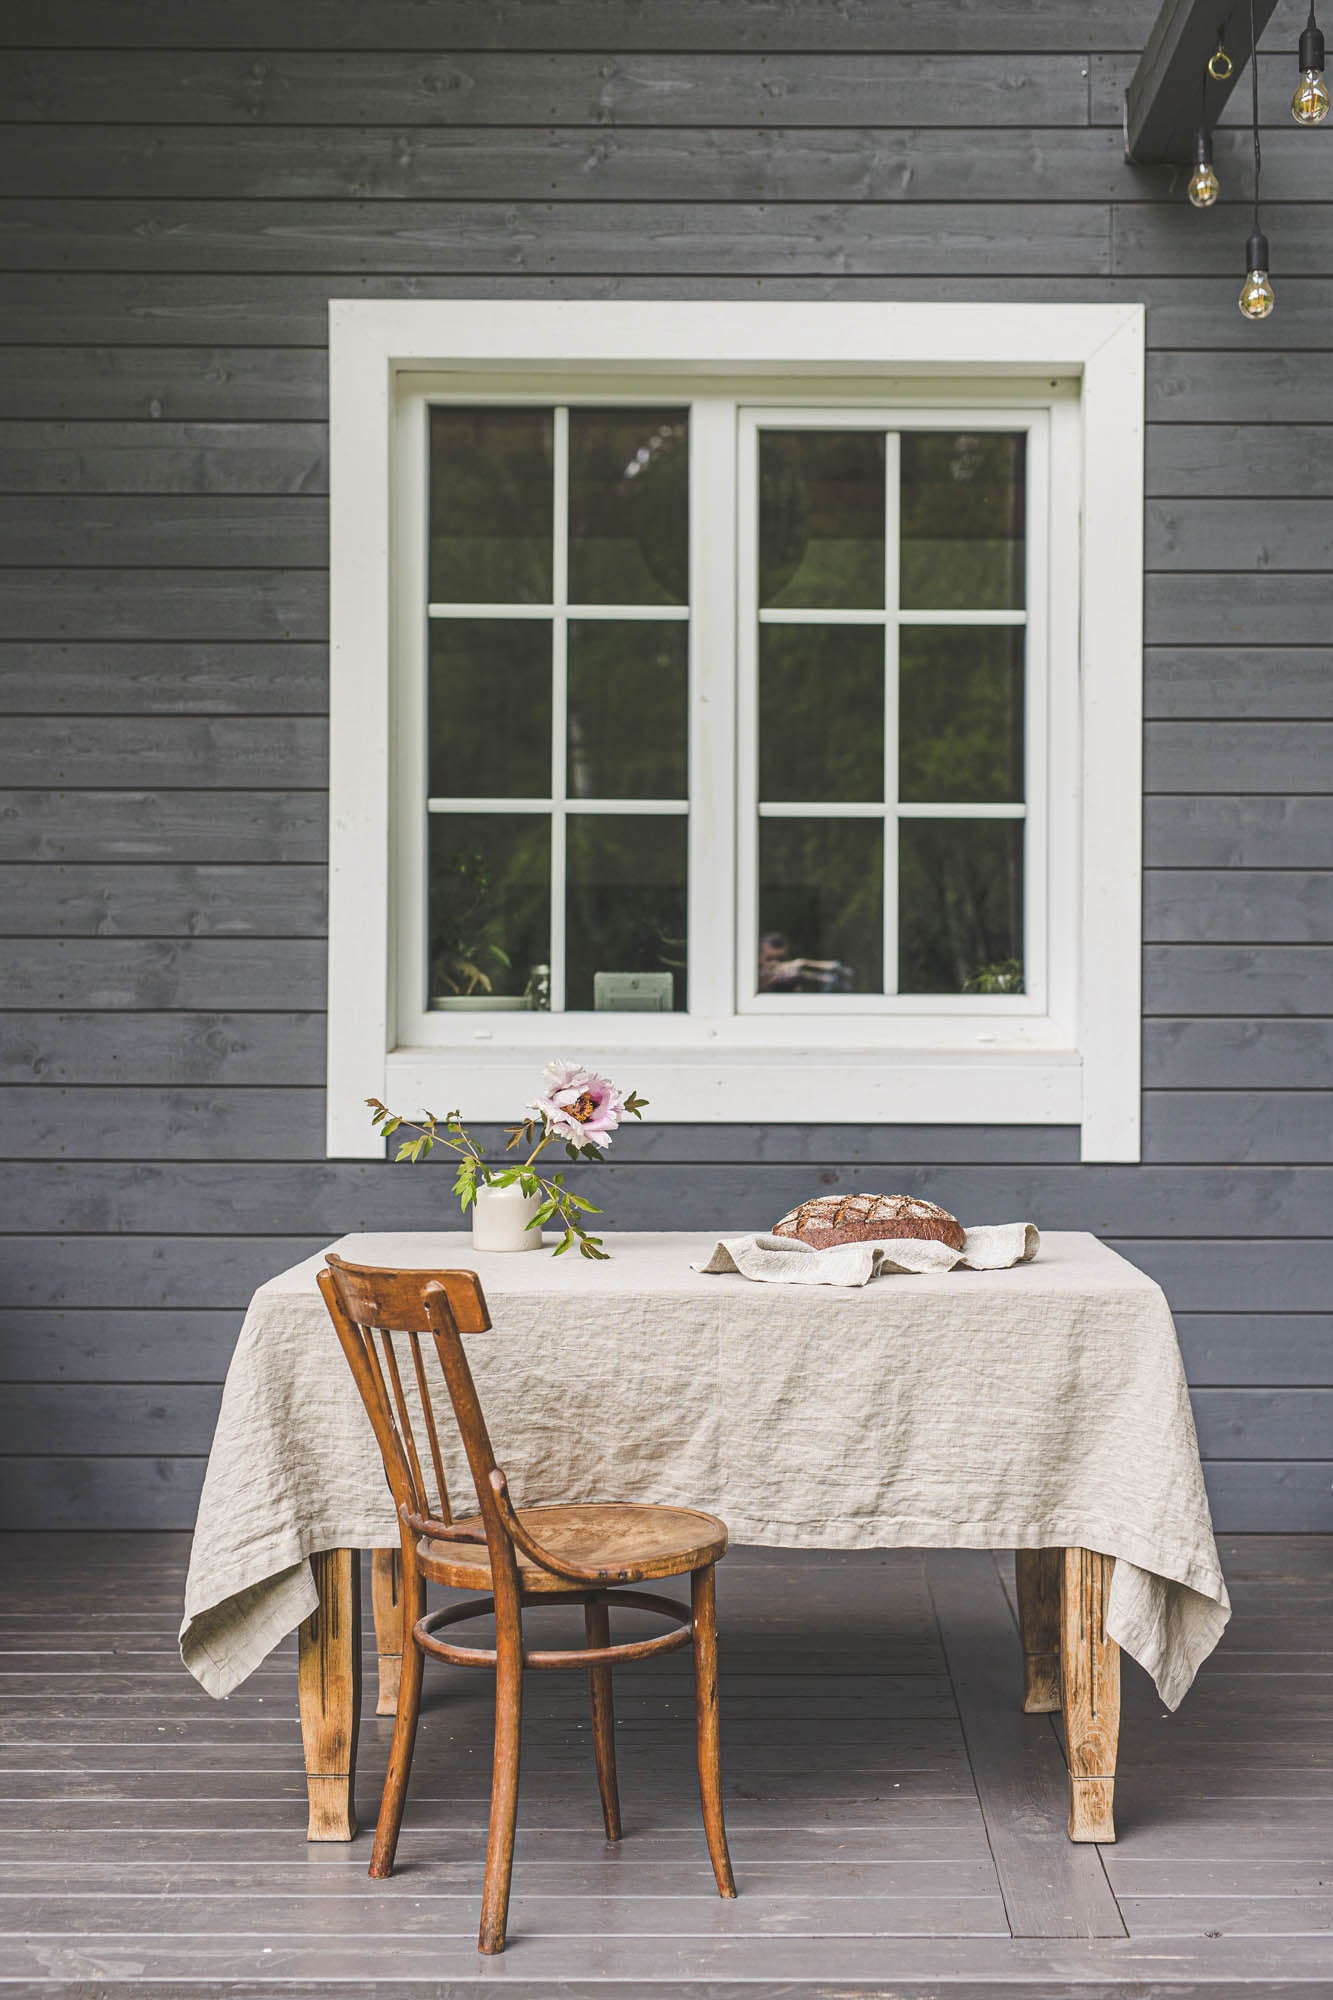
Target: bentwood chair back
[[519, 1556]]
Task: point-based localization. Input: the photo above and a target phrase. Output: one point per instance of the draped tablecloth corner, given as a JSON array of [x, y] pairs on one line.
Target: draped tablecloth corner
[[1039, 1406]]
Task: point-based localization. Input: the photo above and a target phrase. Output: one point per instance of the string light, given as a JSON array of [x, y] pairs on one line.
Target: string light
[[1204, 187], [1257, 297], [1309, 105]]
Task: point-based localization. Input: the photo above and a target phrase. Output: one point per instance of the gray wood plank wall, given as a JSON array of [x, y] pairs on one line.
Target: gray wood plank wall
[[185, 188]]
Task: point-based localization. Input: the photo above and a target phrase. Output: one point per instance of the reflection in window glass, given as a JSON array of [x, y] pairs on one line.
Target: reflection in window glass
[[963, 520], [490, 708], [627, 708], [490, 890], [960, 906], [821, 519], [960, 714], [821, 713], [821, 906], [629, 539], [491, 507], [625, 912]]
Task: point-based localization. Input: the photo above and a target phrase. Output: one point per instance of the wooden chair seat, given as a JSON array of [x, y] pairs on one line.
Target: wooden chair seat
[[624, 1542]]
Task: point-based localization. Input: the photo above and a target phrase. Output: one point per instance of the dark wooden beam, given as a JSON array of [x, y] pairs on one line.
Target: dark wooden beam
[[1162, 103]]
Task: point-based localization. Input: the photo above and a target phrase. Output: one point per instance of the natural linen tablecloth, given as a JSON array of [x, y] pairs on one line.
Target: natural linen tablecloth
[[1039, 1407]]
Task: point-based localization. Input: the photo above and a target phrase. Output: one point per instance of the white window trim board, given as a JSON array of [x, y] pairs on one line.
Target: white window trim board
[[777, 1073]]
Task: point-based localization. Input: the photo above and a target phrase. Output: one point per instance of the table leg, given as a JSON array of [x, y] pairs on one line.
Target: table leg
[[329, 1690], [1090, 1665], [386, 1599], [1038, 1572]]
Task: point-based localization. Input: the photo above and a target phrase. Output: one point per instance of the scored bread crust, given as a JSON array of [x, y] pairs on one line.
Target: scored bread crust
[[828, 1219]]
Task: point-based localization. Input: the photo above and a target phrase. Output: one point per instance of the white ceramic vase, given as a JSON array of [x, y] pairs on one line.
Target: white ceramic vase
[[500, 1218]]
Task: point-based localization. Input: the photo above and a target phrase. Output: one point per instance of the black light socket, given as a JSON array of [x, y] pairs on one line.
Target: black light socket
[[1256, 252], [1310, 49], [1203, 149]]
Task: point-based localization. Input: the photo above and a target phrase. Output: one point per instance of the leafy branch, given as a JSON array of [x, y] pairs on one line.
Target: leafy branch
[[559, 1204]]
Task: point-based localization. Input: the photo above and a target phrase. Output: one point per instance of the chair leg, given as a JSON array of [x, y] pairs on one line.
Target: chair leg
[[703, 1604], [404, 1733], [597, 1625], [504, 1790]]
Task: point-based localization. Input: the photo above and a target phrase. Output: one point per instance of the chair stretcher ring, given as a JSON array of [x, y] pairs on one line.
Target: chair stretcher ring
[[424, 1631]]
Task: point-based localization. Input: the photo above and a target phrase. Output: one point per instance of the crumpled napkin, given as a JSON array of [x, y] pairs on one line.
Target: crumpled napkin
[[781, 1260]]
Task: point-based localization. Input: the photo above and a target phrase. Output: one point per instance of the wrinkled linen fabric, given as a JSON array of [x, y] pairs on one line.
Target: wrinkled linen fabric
[[1038, 1406], [782, 1260]]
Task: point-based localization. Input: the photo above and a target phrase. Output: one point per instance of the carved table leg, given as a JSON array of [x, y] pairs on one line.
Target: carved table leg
[[386, 1599], [1091, 1673], [329, 1688], [1039, 1623]]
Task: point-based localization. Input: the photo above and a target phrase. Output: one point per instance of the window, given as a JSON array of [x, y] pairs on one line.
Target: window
[[740, 709], [884, 765], [558, 708]]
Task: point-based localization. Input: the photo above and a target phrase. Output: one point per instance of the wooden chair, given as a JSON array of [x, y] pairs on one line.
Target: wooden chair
[[518, 1556]]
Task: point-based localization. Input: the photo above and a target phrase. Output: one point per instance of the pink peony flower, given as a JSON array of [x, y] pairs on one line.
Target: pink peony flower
[[577, 1105]]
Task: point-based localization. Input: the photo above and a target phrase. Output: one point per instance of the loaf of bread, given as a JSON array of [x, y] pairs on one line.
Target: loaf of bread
[[828, 1219]]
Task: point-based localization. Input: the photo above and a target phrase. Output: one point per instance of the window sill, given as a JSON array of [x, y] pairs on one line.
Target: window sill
[[775, 1085]]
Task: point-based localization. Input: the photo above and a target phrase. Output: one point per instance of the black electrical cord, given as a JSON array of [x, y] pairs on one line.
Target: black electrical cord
[[1254, 100]]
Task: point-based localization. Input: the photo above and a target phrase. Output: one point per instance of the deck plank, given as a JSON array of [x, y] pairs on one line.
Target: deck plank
[[893, 1816]]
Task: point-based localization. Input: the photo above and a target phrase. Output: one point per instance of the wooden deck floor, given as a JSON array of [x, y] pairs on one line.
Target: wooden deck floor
[[897, 1825]]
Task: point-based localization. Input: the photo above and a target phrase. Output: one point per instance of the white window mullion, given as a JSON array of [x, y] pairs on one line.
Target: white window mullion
[[891, 595], [559, 701], [746, 780], [622, 613], [713, 709]]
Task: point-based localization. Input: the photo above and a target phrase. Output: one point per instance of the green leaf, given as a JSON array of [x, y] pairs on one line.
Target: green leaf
[[564, 1243]]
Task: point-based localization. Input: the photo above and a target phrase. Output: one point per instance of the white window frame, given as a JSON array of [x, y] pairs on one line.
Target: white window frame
[[1066, 1053]]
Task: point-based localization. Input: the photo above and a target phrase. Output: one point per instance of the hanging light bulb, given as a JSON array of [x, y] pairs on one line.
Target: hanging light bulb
[[1204, 185], [1257, 297], [1309, 105]]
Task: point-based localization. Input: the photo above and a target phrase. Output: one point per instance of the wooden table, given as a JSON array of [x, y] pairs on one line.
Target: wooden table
[[1068, 1663], [1033, 1406]]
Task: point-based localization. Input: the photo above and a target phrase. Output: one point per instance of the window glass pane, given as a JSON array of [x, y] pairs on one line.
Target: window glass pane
[[625, 912], [627, 708], [963, 520], [960, 905], [821, 519], [821, 712], [490, 505], [490, 708], [629, 540], [960, 714], [490, 907], [821, 906]]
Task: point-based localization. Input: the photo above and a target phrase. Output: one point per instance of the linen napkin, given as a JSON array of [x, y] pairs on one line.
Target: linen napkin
[[782, 1260]]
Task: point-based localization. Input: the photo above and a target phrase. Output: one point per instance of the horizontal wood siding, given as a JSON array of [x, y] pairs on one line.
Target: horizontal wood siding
[[185, 188]]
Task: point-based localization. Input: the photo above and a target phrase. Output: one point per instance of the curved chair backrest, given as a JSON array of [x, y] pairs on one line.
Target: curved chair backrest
[[368, 1305]]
